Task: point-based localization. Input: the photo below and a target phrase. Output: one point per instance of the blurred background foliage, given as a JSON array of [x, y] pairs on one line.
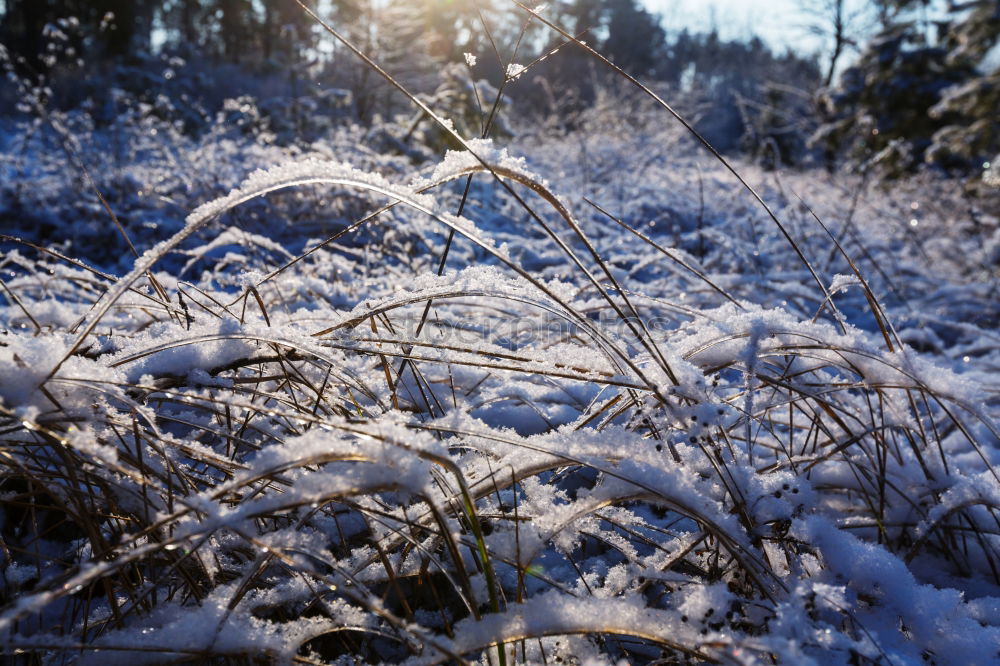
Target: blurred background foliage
[[901, 85]]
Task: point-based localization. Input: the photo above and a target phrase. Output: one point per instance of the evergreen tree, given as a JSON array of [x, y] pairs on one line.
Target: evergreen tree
[[922, 92], [879, 113], [971, 137], [635, 40], [108, 28], [286, 29]]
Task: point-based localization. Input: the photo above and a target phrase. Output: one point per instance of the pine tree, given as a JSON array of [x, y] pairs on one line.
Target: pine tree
[[635, 40], [286, 29], [879, 113], [921, 93], [971, 139]]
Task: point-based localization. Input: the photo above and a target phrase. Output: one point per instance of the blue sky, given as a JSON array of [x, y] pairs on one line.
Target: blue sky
[[779, 22]]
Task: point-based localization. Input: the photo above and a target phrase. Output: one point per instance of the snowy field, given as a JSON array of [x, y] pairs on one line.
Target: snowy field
[[573, 397]]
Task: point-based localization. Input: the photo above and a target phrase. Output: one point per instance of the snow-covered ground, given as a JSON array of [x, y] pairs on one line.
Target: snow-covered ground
[[630, 415]]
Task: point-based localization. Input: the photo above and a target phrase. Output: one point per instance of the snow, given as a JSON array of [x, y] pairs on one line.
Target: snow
[[582, 450], [514, 70]]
